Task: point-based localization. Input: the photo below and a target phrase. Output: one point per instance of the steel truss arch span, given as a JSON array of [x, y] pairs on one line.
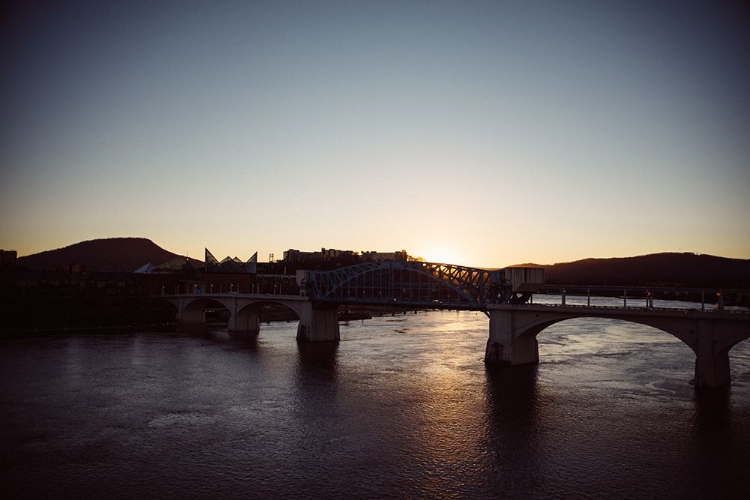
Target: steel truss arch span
[[409, 283]]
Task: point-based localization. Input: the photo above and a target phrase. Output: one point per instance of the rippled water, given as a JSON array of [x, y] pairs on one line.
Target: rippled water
[[402, 407]]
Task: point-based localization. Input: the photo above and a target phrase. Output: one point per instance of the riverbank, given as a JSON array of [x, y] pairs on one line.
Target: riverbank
[[59, 313]]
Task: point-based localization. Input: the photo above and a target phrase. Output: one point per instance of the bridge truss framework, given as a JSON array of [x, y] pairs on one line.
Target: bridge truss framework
[[409, 284]]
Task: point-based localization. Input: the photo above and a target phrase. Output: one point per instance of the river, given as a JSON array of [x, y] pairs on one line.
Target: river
[[402, 407]]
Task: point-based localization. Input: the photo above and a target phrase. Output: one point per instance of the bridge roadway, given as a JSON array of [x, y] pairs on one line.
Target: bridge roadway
[[513, 328]]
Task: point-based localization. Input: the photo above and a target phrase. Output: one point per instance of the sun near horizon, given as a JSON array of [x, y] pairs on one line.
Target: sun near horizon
[[444, 254]]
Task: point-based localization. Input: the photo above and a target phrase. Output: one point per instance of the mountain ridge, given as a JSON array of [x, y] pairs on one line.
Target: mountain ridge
[[659, 269], [122, 254]]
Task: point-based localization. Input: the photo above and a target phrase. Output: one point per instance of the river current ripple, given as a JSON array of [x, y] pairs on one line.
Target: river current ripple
[[402, 407]]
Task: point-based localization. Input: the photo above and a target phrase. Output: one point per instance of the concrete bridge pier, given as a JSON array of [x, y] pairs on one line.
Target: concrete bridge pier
[[712, 354], [245, 320], [189, 316], [317, 323], [504, 347]]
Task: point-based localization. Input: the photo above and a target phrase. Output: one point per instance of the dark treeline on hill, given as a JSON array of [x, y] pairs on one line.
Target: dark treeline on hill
[[663, 269], [103, 255]]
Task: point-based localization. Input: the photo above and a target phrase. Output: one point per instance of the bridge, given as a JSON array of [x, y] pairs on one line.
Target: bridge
[[409, 284], [503, 295]]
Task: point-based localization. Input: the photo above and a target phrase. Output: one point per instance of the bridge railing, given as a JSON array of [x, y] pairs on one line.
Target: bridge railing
[[645, 297]]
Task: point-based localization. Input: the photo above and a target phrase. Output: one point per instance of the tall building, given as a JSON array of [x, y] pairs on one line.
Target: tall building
[[8, 257]]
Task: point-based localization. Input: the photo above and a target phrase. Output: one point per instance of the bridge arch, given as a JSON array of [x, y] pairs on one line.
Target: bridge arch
[[202, 303], [247, 316], [538, 325], [710, 335], [244, 312], [316, 321]]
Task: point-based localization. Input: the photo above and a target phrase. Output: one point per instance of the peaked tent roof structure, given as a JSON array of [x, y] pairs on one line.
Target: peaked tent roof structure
[[145, 269], [251, 265], [169, 266], [210, 260], [230, 264]]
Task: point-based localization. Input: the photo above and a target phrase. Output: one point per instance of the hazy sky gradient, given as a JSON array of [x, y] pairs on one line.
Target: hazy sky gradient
[[481, 133]]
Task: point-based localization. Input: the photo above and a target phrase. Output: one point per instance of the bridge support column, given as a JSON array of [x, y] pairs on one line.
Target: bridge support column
[[246, 320], [711, 357], [318, 323], [506, 345], [187, 316]]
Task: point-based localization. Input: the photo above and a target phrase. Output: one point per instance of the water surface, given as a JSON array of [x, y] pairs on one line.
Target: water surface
[[402, 407]]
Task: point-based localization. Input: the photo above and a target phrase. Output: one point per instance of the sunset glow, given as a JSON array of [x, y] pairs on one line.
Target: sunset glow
[[484, 134], [443, 254]]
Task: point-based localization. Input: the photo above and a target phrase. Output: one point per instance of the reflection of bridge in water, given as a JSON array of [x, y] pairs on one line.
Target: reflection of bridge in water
[[502, 295]]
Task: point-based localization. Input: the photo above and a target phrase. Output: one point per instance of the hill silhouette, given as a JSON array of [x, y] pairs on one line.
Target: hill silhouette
[[105, 255], [662, 269]]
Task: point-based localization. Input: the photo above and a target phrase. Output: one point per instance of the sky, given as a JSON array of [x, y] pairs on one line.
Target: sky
[[477, 133]]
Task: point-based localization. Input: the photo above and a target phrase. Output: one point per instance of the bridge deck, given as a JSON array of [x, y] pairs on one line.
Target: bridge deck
[[635, 310], [601, 310]]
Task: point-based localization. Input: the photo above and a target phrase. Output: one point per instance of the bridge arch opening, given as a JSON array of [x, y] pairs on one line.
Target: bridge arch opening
[[215, 312], [654, 327], [250, 316], [206, 310], [612, 338]]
